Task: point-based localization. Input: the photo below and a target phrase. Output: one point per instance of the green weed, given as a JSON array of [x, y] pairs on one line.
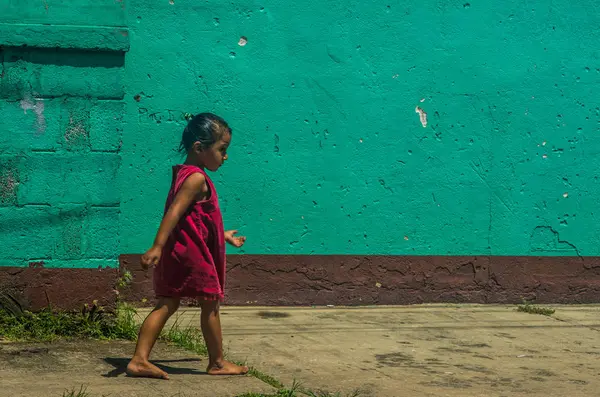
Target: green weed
[[188, 338], [527, 307]]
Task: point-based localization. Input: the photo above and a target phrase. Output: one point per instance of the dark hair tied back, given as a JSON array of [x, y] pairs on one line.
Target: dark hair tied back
[[205, 128]]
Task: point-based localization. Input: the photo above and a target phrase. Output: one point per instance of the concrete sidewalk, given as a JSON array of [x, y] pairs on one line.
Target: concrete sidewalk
[[428, 350], [425, 350], [56, 369]]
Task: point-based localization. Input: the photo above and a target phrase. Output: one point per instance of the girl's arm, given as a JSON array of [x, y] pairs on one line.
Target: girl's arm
[[194, 188]]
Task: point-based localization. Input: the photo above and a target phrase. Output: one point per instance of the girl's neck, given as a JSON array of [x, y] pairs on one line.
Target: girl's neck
[[190, 161]]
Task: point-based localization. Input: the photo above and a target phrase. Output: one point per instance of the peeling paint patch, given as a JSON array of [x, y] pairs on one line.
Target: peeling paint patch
[[422, 116], [38, 108], [243, 41], [76, 126], [8, 187], [75, 130], [9, 182]]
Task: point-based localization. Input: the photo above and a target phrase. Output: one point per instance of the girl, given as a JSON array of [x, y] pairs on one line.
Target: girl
[[188, 254]]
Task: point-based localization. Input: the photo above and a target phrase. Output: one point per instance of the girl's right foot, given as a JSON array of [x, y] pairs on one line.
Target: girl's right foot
[[145, 369], [226, 368]]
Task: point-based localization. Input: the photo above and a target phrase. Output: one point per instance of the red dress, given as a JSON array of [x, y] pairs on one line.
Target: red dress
[[193, 259]]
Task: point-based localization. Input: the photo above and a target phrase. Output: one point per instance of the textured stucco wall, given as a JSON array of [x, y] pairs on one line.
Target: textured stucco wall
[[330, 155]]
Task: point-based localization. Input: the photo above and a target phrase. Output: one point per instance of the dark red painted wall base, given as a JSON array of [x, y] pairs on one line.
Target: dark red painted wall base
[[370, 280], [337, 280], [36, 288]]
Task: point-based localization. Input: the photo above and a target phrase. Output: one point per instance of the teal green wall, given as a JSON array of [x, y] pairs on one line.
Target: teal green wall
[[329, 155]]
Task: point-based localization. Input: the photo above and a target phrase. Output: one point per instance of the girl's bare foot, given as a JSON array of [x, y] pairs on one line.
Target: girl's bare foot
[[226, 368], [145, 369]]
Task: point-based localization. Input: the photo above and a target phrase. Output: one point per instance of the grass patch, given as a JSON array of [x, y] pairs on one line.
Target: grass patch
[[326, 394], [188, 338], [268, 379], [297, 391], [82, 392], [92, 322], [527, 307]]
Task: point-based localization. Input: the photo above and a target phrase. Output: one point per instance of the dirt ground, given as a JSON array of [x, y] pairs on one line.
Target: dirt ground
[[428, 350]]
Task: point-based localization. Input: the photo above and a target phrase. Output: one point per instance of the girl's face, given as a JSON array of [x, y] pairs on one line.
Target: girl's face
[[213, 157]]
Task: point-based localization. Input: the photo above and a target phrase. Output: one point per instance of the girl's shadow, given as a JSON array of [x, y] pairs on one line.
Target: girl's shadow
[[120, 365]]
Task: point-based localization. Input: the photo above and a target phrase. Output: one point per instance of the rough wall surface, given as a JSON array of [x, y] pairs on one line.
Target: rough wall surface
[[436, 129], [329, 155]]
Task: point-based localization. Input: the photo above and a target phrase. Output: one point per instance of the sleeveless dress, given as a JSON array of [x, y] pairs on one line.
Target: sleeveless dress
[[193, 258]]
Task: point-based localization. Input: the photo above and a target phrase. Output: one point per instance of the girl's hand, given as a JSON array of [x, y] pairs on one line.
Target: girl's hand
[[235, 241], [151, 257]]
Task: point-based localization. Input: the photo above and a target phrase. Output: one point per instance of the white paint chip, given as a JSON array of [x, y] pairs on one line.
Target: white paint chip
[[38, 109], [422, 116], [243, 41], [566, 195]]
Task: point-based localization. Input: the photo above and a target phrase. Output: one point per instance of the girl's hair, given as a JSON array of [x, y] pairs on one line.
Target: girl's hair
[[205, 128]]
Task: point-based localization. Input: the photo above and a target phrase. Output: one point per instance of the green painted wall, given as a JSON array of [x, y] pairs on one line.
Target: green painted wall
[[329, 155]]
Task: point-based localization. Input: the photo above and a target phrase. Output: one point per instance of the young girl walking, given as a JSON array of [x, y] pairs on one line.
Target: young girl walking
[[188, 254]]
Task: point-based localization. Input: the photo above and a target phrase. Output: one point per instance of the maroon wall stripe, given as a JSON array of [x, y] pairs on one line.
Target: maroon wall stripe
[[334, 280]]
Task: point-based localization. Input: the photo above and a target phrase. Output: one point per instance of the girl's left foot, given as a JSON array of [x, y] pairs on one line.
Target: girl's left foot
[[226, 368]]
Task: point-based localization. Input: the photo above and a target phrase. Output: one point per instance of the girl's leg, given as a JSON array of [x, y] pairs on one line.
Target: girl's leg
[[149, 333], [210, 322]]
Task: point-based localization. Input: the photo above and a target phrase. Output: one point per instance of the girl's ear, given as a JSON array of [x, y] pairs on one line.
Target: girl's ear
[[197, 147]]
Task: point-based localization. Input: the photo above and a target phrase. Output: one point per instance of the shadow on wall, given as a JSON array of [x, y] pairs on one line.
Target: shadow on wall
[[65, 57]]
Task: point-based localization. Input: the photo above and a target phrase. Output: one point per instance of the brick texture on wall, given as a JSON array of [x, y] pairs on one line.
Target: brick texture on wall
[[61, 120]]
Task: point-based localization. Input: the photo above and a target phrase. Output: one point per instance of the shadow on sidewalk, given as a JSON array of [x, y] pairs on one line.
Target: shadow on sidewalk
[[120, 365]]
